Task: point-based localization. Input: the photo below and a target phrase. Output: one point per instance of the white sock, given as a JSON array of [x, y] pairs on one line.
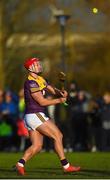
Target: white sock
[[20, 164], [66, 166]]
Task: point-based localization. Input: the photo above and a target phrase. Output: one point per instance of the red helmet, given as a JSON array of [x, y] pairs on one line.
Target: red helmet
[[30, 61]]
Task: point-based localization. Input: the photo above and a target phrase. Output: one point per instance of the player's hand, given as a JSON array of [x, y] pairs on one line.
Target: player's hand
[[62, 99], [64, 93]]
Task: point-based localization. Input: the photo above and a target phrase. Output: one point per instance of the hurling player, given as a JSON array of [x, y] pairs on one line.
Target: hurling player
[[37, 123]]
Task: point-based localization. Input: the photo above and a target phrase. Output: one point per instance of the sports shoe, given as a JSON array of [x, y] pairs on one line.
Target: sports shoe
[[72, 169], [20, 170]]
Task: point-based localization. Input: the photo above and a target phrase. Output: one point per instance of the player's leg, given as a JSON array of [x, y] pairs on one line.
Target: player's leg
[[51, 130], [37, 141]]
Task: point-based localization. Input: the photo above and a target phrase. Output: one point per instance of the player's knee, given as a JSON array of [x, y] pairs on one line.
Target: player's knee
[[58, 136], [37, 148]]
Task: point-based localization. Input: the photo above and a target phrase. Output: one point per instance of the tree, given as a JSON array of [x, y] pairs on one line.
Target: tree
[[2, 51]]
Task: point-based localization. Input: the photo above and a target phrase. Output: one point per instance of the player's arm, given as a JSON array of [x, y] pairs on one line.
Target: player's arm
[[56, 91], [38, 97]]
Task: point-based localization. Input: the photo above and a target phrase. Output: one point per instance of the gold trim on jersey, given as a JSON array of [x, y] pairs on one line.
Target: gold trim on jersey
[[34, 89], [40, 81]]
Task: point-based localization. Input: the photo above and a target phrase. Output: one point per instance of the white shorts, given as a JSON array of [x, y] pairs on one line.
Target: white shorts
[[34, 120]]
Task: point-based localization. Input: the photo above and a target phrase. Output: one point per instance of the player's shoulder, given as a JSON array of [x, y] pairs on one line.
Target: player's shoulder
[[31, 82], [32, 86]]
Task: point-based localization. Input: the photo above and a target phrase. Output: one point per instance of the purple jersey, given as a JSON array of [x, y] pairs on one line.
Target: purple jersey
[[33, 85]]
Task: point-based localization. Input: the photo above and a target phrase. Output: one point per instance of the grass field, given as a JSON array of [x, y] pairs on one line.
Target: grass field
[[47, 166]]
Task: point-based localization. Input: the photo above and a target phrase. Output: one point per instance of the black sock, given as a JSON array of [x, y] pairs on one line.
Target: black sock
[[64, 162], [22, 161]]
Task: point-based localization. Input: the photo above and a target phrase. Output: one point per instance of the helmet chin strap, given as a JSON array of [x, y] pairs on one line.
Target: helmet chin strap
[[38, 73], [34, 71]]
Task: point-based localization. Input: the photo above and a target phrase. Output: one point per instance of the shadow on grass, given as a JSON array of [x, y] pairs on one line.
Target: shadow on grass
[[55, 171], [91, 173], [6, 170], [95, 172], [43, 171], [83, 172]]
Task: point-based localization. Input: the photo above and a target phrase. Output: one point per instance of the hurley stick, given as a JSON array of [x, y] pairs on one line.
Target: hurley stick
[[62, 79]]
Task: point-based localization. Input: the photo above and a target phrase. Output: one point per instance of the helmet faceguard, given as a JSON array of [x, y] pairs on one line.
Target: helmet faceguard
[[33, 65]]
